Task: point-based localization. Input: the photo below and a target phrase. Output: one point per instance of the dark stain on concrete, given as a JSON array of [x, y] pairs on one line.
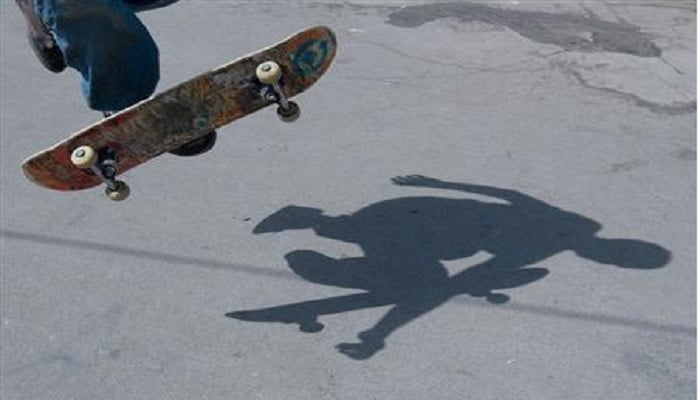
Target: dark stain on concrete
[[570, 32], [627, 166], [685, 154]]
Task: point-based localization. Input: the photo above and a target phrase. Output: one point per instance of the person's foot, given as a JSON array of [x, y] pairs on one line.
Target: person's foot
[[197, 146], [41, 40], [48, 53]]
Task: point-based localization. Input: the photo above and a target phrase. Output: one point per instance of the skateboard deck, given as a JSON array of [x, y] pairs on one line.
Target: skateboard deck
[[187, 111]]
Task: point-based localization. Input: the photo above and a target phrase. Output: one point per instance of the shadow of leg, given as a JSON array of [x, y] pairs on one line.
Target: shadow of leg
[[368, 346], [306, 314], [354, 273]]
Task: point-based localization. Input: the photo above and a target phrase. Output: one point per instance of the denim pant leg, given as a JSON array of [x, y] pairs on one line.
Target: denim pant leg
[[104, 41]]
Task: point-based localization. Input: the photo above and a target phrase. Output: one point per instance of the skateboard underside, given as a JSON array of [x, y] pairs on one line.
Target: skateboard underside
[[187, 111]]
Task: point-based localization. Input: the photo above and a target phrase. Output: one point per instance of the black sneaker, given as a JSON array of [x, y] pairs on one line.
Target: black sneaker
[[48, 53], [40, 38], [197, 146]]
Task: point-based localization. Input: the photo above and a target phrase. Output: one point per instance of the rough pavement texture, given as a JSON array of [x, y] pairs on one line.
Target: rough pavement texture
[[482, 200]]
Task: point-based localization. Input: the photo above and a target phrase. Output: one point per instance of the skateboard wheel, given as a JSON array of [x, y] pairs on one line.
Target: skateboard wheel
[[268, 73], [120, 193], [84, 157], [290, 114]]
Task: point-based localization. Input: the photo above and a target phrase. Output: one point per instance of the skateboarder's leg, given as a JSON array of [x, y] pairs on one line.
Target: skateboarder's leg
[[42, 41], [105, 41]]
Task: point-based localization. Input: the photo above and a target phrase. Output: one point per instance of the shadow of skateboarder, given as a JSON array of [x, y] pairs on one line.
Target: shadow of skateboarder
[[404, 241]]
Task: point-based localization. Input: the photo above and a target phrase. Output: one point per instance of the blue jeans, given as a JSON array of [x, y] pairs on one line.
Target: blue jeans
[[108, 45]]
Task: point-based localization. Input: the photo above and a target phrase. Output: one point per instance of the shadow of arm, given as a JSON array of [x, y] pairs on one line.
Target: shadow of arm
[[511, 196]]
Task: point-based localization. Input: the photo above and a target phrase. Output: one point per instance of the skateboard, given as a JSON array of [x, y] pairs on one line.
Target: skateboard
[[99, 153]]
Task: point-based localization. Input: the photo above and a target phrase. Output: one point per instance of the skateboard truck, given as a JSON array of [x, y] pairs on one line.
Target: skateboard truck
[[269, 74], [103, 165]]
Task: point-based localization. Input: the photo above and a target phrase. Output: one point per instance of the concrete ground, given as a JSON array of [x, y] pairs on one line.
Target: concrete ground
[[482, 200]]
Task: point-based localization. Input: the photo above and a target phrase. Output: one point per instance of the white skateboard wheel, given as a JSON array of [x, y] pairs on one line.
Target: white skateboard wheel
[[84, 157], [269, 72]]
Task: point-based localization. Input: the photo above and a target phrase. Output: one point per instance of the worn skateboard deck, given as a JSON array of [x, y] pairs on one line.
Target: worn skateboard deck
[[186, 111]]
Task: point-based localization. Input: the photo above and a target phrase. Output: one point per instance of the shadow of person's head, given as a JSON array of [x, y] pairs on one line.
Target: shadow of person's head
[[624, 253]]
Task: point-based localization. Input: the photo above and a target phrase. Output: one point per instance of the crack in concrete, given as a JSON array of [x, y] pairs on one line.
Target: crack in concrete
[[673, 109], [505, 68]]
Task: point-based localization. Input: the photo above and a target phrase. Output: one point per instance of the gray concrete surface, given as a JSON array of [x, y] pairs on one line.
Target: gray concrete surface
[[308, 261]]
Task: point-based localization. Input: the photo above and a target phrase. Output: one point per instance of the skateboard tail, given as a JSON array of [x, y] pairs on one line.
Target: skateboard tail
[[52, 168], [51, 176]]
